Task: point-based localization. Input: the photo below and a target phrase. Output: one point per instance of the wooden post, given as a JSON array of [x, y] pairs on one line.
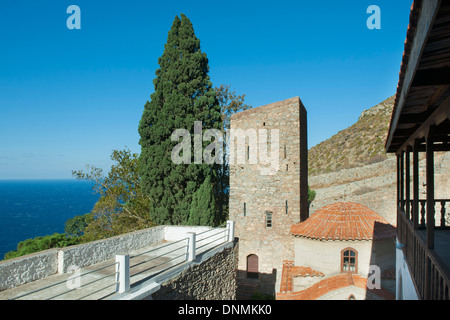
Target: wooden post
[[399, 218], [408, 183], [398, 181], [430, 189], [415, 210], [402, 180]]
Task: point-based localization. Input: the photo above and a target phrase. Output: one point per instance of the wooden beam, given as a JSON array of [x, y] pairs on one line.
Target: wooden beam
[[411, 118], [431, 77], [439, 115], [424, 25]]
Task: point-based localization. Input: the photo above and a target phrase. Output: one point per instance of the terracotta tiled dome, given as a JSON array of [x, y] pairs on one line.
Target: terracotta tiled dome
[[344, 221]]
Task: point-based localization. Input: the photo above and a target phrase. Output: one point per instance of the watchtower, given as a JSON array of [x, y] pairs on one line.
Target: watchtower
[[268, 187]]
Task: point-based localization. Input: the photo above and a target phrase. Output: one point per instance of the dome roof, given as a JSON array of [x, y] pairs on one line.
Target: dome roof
[[344, 221]]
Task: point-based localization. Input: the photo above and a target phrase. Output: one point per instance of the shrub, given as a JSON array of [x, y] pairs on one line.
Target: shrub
[[56, 240], [363, 190]]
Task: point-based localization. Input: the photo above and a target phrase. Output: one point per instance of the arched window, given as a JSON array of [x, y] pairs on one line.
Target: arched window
[[349, 260], [252, 266], [351, 297]]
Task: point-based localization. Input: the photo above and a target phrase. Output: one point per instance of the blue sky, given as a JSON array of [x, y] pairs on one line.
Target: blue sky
[[69, 97]]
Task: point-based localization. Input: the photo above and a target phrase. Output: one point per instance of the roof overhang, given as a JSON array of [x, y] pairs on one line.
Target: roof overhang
[[423, 91]]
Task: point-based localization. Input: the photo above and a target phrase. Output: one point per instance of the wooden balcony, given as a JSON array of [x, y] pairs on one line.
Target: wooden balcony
[[429, 267], [420, 122]]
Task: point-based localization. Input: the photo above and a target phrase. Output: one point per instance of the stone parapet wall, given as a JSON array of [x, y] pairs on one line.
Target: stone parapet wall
[[212, 279], [25, 269], [15, 272], [94, 252]]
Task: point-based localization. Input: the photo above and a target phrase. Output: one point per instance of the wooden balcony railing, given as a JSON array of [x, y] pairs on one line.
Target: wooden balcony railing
[[429, 272], [442, 214]]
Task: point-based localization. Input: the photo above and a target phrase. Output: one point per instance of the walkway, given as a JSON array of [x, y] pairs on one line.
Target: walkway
[[99, 281]]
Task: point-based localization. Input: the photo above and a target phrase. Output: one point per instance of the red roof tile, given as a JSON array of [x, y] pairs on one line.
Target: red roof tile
[[333, 283], [344, 221], [290, 271]]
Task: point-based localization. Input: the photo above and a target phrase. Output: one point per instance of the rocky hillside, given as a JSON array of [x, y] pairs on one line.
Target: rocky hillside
[[359, 145]]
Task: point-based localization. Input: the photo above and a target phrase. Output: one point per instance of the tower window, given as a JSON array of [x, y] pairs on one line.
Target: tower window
[[349, 260], [285, 152], [268, 219], [286, 207], [245, 209]]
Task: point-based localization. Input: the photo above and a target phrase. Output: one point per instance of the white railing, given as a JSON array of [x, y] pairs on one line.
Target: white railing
[[70, 285], [190, 247]]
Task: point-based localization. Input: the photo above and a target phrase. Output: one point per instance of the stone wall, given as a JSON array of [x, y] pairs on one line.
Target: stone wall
[[261, 193], [213, 279], [29, 268], [94, 252]]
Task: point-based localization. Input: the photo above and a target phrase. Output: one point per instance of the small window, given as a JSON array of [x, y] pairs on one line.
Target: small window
[[245, 209], [285, 152], [248, 152], [349, 260], [287, 167], [286, 207], [268, 219]]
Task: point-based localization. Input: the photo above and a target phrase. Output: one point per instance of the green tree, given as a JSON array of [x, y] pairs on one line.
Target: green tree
[[311, 195], [229, 103], [183, 94], [122, 206], [203, 205], [75, 226]]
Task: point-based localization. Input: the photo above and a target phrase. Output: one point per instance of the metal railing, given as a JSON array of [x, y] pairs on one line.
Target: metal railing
[[168, 254], [72, 284]]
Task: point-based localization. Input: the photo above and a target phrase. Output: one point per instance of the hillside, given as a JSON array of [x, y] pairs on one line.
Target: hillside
[[358, 145]]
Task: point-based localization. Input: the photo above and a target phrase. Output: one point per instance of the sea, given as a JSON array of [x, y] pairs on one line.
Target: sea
[[32, 208]]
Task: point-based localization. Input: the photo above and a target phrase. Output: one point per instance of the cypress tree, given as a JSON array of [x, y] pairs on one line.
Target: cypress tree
[[203, 205], [183, 94]]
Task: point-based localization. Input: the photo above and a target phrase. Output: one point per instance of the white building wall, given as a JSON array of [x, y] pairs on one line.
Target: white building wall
[[405, 288], [325, 256]]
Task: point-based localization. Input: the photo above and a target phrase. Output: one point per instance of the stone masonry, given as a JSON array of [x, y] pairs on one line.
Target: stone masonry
[[282, 196], [214, 279]]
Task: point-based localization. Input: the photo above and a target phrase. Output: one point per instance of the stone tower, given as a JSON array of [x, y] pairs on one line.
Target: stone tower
[[267, 198]]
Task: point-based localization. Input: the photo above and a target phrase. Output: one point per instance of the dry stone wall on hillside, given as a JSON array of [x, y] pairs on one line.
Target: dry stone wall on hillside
[[374, 186]]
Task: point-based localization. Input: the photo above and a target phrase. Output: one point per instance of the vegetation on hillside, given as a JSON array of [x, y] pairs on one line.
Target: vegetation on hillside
[[358, 145], [122, 206], [56, 240]]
